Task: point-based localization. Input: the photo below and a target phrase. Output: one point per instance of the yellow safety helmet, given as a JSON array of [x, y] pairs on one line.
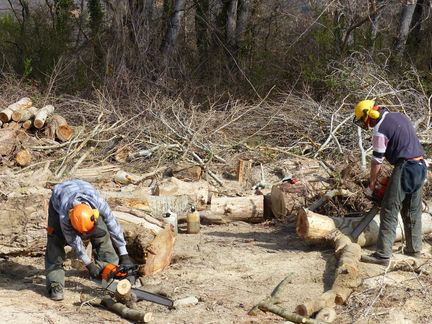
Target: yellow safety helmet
[[364, 111], [83, 218]]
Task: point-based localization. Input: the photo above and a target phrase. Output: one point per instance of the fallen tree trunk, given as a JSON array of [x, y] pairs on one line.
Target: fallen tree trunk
[[315, 227], [42, 115], [230, 209]]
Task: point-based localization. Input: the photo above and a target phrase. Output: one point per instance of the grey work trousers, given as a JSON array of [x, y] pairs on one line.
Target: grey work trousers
[[410, 207], [103, 250]]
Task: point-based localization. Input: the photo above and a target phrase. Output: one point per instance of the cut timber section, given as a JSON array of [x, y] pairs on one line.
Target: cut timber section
[[24, 114], [285, 199], [23, 158], [42, 115], [6, 114], [229, 209], [57, 127], [244, 168]]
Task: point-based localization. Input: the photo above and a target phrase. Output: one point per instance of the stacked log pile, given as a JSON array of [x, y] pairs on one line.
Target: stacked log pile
[[22, 119]]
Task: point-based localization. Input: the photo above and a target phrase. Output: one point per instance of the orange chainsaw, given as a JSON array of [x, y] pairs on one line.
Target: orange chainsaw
[[112, 274], [376, 198]]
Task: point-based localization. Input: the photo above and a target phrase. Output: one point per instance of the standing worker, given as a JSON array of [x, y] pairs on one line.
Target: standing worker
[[395, 139], [77, 212]]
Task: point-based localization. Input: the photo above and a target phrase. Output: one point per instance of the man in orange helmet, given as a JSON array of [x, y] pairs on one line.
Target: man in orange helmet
[[77, 212], [394, 139]]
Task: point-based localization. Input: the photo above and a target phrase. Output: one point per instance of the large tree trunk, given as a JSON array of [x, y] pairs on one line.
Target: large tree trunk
[[408, 7], [231, 23], [242, 21], [315, 227], [173, 30], [201, 28]]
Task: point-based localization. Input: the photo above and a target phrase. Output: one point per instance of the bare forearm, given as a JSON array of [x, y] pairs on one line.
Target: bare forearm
[[374, 172]]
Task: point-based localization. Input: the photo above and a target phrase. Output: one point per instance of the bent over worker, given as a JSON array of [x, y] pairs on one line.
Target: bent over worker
[[395, 139], [77, 212]]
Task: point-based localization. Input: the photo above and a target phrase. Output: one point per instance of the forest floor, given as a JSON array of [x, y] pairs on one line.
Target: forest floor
[[228, 268]]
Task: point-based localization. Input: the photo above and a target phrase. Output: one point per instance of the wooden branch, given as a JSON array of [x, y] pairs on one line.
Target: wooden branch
[[312, 306], [118, 308], [295, 318], [209, 172], [148, 152]]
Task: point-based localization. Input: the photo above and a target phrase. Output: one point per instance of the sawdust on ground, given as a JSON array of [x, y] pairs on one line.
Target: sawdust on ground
[[228, 268]]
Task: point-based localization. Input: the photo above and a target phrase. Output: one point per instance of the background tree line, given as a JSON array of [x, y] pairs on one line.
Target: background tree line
[[245, 47]]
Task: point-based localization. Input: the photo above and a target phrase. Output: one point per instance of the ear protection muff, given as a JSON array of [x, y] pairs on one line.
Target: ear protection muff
[[374, 113], [95, 215]]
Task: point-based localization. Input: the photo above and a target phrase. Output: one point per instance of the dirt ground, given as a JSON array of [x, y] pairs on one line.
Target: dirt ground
[[228, 268]]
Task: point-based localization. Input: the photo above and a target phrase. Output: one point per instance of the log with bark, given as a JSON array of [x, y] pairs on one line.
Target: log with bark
[[118, 308], [243, 170], [230, 209], [27, 124], [316, 227], [286, 198], [42, 115], [198, 191], [57, 127], [6, 114], [24, 114]]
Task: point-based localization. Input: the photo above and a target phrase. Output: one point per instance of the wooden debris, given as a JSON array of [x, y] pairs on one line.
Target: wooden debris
[[243, 169], [286, 198], [24, 114], [57, 127], [7, 141], [6, 114]]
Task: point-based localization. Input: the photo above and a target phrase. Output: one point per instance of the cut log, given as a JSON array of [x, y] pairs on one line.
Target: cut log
[[42, 115], [24, 114], [312, 306], [27, 124], [7, 141], [229, 209], [286, 198], [327, 315], [23, 158], [198, 190], [57, 127], [157, 206], [6, 114], [125, 217], [141, 214], [14, 125], [295, 318], [318, 228], [159, 253]]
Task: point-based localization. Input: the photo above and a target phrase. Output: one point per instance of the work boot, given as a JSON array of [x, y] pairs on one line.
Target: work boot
[[413, 254], [56, 291], [374, 258]]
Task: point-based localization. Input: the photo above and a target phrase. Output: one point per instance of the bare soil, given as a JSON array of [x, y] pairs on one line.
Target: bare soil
[[229, 268]]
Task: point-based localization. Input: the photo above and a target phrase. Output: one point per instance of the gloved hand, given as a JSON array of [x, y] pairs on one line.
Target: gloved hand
[[125, 260], [93, 270]]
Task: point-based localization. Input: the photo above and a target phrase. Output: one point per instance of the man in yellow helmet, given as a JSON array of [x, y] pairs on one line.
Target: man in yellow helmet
[[77, 212], [394, 139]]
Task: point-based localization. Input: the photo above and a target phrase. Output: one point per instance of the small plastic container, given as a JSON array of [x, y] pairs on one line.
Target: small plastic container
[[193, 221], [171, 218]]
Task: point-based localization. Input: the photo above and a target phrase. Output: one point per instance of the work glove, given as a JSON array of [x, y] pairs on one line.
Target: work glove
[[93, 270], [125, 260]]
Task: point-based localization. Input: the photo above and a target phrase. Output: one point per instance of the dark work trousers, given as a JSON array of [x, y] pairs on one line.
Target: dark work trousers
[[410, 207], [103, 250]]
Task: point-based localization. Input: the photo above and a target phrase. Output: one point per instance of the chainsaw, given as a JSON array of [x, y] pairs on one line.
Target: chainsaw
[[376, 198], [112, 274]]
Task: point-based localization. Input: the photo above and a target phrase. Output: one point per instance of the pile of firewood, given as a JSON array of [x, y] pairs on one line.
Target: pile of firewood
[[22, 114]]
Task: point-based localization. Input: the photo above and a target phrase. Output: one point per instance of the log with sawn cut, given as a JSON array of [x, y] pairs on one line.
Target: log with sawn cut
[[27, 124], [198, 191], [24, 114], [23, 157], [42, 115], [230, 209], [57, 127], [244, 168], [6, 114], [124, 215], [286, 198], [316, 227], [7, 141], [157, 206]]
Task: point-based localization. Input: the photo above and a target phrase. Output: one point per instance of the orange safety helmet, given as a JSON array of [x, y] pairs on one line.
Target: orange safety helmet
[[83, 218]]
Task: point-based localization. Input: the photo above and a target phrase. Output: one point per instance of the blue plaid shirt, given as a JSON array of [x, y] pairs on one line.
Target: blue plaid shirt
[[69, 193]]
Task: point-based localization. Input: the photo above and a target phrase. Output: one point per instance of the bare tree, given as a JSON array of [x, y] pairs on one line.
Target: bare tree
[[408, 7]]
